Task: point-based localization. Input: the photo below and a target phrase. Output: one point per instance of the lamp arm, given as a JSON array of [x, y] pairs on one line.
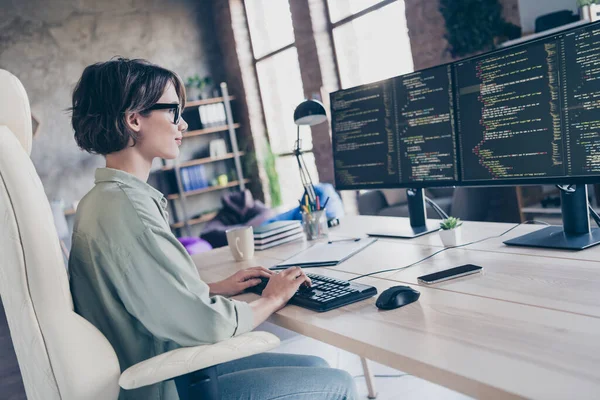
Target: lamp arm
[[304, 174]]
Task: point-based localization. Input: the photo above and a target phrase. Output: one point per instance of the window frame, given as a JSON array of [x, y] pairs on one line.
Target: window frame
[[255, 62], [332, 25]]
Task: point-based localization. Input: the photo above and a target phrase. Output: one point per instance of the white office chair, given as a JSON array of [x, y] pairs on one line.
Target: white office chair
[[60, 354]]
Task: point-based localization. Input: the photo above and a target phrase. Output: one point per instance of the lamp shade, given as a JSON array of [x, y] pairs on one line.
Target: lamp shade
[[310, 112]]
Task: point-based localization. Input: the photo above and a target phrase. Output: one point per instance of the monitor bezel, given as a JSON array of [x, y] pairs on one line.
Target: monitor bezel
[[535, 181], [460, 182], [401, 185]]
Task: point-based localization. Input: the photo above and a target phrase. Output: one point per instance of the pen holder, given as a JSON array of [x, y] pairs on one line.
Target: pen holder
[[315, 224]]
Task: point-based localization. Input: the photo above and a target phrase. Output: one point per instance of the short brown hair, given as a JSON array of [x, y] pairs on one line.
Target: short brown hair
[[107, 91]]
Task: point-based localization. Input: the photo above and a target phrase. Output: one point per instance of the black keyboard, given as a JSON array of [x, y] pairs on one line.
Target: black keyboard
[[325, 293]]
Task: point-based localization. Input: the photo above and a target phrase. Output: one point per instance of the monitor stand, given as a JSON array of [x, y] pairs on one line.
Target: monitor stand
[[418, 219], [575, 234]]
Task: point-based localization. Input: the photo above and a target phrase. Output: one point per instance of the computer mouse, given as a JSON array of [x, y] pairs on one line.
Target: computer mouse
[[396, 296]]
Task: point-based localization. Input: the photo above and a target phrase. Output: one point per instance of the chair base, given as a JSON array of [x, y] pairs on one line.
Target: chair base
[[199, 385]]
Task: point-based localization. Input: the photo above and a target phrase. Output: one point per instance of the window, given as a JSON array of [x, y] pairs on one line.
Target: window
[[281, 91], [371, 40], [270, 24], [340, 9], [280, 83]]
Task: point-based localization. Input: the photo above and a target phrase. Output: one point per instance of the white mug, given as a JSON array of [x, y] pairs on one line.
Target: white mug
[[241, 242]]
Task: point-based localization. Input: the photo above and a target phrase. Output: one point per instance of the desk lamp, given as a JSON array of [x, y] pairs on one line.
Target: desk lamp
[[309, 112]]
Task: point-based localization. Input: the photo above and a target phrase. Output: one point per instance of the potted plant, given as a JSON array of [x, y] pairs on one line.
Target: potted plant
[[451, 232], [192, 87], [475, 26], [589, 9], [205, 86]]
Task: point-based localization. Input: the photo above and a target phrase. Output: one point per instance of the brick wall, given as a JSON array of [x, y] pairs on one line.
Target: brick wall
[[47, 44], [232, 34], [312, 81]]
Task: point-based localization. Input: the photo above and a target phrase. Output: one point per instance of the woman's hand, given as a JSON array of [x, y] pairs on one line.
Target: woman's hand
[[239, 281], [277, 293], [282, 286]]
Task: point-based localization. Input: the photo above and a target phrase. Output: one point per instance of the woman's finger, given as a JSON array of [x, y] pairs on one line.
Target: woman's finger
[[250, 283], [292, 271], [304, 278], [255, 273], [262, 269]]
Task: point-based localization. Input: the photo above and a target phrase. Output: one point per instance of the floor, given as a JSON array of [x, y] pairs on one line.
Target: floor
[[390, 384]]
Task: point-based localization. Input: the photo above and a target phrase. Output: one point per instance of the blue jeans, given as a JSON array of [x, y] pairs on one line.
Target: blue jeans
[[270, 376]]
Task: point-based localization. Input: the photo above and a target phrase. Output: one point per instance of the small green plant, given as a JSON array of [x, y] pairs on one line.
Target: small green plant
[[268, 163], [197, 82], [450, 223], [271, 170], [582, 3]]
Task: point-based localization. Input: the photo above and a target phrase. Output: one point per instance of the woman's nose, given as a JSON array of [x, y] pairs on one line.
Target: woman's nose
[[183, 126]]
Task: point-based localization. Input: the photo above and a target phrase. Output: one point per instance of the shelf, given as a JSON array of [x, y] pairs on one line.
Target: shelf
[[213, 100], [195, 221], [206, 190], [206, 131], [206, 160]]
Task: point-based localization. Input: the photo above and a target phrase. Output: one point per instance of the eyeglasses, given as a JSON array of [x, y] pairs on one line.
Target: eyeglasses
[[168, 106]]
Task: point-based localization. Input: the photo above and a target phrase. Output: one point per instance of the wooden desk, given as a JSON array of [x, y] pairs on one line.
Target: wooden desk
[[356, 226], [527, 327]]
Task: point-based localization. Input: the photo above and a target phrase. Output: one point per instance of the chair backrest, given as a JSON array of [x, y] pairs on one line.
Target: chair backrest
[[60, 354]]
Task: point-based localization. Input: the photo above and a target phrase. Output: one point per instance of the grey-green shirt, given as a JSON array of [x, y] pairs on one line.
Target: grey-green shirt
[[136, 283]]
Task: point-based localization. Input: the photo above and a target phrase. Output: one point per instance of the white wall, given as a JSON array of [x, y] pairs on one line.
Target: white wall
[[531, 9]]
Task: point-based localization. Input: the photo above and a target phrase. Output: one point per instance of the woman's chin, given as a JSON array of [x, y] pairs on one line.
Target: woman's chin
[[170, 155]]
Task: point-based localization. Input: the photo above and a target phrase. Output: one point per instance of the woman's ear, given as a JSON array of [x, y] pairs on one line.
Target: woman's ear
[[133, 121]]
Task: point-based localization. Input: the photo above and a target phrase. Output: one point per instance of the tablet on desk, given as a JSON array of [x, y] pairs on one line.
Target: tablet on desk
[[326, 254]]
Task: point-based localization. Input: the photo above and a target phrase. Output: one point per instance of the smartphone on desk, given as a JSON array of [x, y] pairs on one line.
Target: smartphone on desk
[[451, 273]]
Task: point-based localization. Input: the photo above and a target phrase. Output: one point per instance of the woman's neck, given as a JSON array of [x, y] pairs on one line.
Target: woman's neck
[[131, 162]]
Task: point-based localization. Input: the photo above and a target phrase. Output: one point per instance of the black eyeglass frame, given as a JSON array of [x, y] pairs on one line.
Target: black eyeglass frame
[[168, 106]]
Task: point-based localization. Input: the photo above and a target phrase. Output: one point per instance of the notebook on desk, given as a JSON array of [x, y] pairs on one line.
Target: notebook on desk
[[326, 254]]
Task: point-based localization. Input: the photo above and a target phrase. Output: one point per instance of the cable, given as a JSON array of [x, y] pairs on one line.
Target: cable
[[447, 248], [594, 215], [437, 208]]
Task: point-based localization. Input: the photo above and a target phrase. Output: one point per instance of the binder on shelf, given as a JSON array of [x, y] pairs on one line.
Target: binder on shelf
[[193, 178], [212, 114]]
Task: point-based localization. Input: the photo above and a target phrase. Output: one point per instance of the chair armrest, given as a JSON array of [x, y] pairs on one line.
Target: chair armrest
[[189, 359]]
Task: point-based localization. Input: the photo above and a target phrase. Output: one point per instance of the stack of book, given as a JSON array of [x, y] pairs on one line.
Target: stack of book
[[276, 233]]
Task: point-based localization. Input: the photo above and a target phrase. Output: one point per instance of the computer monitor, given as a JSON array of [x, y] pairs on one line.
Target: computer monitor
[[525, 114], [530, 114], [397, 133]]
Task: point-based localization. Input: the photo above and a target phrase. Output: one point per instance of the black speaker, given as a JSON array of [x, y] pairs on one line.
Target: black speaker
[[555, 19]]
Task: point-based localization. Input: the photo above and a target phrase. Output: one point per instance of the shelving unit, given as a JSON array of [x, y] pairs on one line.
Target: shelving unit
[[181, 204], [206, 131], [205, 160], [206, 190], [195, 221]]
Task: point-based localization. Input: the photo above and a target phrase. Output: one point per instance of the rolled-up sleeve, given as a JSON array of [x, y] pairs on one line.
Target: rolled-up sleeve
[[162, 289]]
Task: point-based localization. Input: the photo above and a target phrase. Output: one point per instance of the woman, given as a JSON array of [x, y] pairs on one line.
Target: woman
[[131, 277]]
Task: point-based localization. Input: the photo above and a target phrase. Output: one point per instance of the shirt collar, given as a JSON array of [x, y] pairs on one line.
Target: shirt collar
[[116, 175]]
